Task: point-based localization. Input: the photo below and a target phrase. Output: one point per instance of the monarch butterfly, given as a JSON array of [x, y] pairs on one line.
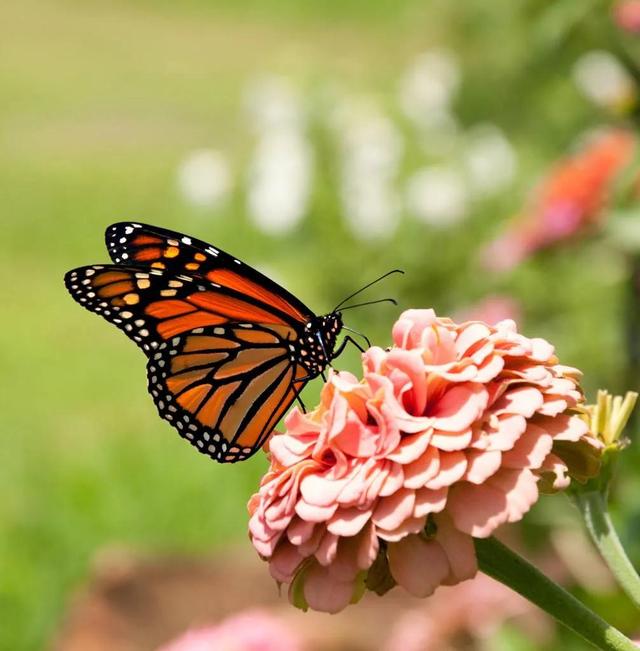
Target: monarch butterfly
[[228, 349]]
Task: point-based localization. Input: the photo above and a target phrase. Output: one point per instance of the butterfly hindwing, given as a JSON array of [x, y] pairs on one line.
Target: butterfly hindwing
[[225, 388]]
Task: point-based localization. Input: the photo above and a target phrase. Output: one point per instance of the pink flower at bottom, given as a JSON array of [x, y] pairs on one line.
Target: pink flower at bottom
[[476, 608], [253, 630], [450, 433]]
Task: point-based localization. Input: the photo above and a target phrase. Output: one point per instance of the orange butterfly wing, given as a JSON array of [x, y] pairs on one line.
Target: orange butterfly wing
[[221, 367], [151, 306], [225, 389], [176, 254]]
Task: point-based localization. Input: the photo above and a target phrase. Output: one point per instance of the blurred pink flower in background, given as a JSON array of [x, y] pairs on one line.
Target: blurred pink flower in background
[[626, 15], [492, 309], [476, 608], [447, 436], [568, 202], [252, 630]]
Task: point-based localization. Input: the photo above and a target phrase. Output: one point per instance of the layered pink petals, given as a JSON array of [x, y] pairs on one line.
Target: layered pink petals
[[445, 438]]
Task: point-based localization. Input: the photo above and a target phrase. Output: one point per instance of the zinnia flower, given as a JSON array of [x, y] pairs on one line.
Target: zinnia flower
[[446, 437], [568, 202]]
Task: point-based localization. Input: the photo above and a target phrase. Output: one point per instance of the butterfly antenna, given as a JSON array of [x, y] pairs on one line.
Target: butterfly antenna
[[373, 282], [360, 334], [379, 300]]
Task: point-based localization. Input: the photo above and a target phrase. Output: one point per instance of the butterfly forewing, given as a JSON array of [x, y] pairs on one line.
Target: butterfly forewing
[[120, 295], [177, 254], [149, 303]]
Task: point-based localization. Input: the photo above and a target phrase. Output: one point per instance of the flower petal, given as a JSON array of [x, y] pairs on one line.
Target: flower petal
[[477, 509], [452, 468], [481, 465], [314, 513], [429, 501], [418, 565], [392, 510], [318, 490], [419, 472], [459, 407], [324, 592], [348, 522], [531, 449], [451, 440], [284, 562], [411, 447], [459, 550]]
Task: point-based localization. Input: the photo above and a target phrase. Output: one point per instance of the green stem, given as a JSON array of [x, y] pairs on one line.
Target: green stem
[[593, 507], [504, 565]]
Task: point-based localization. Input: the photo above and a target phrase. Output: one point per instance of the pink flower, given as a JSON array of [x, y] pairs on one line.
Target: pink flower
[[626, 15], [253, 630], [390, 477], [569, 202], [492, 309], [476, 608]]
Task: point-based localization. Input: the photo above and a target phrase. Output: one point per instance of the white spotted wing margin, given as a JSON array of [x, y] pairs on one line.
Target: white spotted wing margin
[[225, 388], [97, 289]]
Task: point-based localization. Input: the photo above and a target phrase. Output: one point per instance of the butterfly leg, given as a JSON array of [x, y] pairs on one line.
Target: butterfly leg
[[345, 341], [299, 399]]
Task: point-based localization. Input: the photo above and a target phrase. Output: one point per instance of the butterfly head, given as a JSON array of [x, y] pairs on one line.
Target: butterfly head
[[329, 327]]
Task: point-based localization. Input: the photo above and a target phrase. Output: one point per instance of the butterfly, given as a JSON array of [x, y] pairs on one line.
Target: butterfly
[[228, 349]]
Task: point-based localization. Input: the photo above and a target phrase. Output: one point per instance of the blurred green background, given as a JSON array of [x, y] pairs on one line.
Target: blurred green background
[[101, 102]]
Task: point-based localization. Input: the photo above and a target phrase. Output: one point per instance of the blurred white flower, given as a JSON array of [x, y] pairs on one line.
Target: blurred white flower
[[204, 178], [271, 102], [439, 133], [489, 159], [371, 210], [279, 183], [370, 148], [281, 169], [437, 196], [603, 80], [428, 86]]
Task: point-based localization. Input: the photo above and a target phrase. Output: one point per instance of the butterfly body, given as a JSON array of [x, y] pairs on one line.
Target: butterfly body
[[228, 349], [314, 349]]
